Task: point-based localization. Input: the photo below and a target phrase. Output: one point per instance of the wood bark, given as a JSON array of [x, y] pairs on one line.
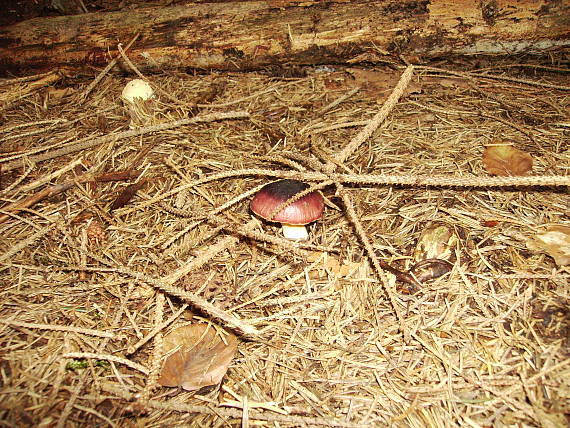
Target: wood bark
[[246, 35]]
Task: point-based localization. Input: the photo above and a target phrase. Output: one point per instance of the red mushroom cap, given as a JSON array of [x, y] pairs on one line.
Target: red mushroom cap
[[303, 211]]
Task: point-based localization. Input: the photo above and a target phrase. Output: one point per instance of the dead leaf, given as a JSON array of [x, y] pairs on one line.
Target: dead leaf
[[505, 160], [435, 252], [201, 357], [127, 194], [334, 266], [555, 241], [436, 241]]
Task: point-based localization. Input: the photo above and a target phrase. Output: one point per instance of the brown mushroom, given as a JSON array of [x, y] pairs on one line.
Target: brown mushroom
[[294, 216]]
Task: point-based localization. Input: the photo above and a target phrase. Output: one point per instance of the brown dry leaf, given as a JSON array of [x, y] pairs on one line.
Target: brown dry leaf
[[334, 266], [505, 160], [555, 241], [127, 194], [201, 357], [435, 252], [437, 241]]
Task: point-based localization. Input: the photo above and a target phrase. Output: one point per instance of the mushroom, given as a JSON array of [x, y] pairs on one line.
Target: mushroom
[[137, 88], [294, 216], [137, 96]]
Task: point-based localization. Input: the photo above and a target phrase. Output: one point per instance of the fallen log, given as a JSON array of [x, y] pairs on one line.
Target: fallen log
[[246, 35]]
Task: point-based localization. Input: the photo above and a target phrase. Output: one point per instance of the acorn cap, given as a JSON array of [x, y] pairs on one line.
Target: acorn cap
[[303, 211]]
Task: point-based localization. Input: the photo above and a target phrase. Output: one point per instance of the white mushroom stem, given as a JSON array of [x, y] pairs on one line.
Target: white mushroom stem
[[296, 232]]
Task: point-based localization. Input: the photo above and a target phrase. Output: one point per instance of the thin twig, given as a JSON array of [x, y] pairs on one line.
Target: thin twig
[[312, 188], [24, 242], [378, 266], [34, 199], [143, 77], [249, 97], [340, 157], [371, 179], [132, 349], [52, 327], [71, 401], [104, 72], [7, 98], [92, 142], [375, 122], [204, 256], [60, 188], [295, 247]]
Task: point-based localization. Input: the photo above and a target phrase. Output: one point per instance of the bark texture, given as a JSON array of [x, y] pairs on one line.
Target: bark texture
[[245, 35]]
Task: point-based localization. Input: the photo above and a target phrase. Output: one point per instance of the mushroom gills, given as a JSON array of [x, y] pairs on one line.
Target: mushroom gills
[[296, 232]]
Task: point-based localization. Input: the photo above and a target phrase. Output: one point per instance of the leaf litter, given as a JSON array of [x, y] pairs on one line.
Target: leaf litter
[[324, 337]]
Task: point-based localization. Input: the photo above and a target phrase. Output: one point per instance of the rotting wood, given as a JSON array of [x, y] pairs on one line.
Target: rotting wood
[[250, 35]]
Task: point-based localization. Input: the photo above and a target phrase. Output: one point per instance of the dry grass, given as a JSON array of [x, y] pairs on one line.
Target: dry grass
[[484, 345]]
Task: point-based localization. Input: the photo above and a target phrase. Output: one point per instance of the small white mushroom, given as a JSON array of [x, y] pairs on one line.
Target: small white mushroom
[[137, 88], [138, 97]]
